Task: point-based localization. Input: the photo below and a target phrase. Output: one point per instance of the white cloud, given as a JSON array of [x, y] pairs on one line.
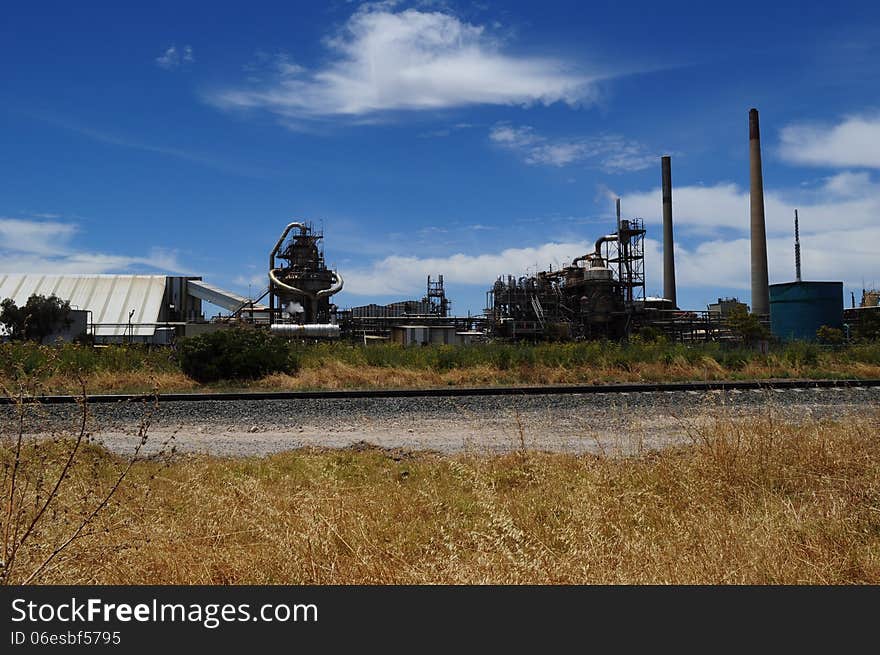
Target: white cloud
[[611, 153], [384, 60], [172, 57], [406, 275], [44, 246], [853, 143], [724, 263], [845, 201], [839, 233], [837, 221], [34, 237]]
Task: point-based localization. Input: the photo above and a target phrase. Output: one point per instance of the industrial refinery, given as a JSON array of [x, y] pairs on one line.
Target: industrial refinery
[[598, 295]]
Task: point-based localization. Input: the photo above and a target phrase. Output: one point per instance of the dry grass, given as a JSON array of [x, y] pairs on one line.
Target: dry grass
[[754, 502], [341, 375]]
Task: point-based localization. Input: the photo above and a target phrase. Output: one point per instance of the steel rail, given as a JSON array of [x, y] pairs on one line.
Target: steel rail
[[435, 392]]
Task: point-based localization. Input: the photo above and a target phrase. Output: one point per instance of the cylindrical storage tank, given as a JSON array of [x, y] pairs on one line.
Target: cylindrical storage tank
[[798, 309]]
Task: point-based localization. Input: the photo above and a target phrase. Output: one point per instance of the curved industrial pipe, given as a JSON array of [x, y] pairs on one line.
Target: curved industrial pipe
[[285, 286], [601, 240], [336, 287], [290, 226]]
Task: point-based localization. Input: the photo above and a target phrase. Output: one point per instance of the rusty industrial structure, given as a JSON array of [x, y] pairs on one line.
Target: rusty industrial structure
[[595, 296], [600, 294], [302, 287]]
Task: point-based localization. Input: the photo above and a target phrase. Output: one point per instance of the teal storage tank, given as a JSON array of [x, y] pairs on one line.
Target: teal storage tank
[[798, 309]]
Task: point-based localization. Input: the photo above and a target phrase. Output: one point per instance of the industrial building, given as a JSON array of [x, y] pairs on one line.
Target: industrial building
[[599, 294], [150, 309]]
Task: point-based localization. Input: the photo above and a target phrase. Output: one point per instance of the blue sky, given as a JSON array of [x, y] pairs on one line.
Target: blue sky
[[468, 139]]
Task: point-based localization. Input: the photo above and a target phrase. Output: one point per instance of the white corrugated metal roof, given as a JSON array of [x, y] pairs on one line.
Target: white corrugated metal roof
[[109, 297]]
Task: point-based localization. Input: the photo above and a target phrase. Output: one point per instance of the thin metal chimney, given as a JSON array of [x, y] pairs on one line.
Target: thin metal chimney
[[617, 206], [797, 249], [760, 278], [668, 246]]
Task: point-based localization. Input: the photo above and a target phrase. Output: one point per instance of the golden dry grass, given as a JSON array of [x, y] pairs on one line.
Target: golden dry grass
[[341, 375], [342, 366], [747, 502]]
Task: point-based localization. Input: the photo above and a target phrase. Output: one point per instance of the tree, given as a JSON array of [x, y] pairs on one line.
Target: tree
[[746, 326], [12, 318], [39, 318]]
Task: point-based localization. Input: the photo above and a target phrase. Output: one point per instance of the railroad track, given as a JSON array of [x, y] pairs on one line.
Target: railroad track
[[641, 387]]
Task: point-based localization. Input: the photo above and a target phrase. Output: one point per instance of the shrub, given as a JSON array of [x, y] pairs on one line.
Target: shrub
[[234, 355], [649, 333], [801, 353], [746, 326], [829, 335]]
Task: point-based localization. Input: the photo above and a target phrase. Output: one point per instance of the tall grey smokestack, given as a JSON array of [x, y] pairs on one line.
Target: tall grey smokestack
[[797, 249], [668, 246], [760, 279]]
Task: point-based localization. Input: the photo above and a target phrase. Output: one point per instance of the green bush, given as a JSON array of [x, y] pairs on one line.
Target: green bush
[[829, 335], [801, 353], [240, 354]]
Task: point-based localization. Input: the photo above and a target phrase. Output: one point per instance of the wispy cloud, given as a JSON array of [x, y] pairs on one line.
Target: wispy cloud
[[31, 246], [34, 237], [211, 161], [854, 142], [611, 153], [397, 275], [172, 58], [445, 131], [383, 60]]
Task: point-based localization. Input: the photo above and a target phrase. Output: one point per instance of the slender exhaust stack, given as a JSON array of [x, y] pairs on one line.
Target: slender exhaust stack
[[797, 249], [760, 278], [668, 246]]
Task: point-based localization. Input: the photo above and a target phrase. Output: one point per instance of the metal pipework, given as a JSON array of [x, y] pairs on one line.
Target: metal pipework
[[325, 330], [601, 240], [278, 283], [310, 296], [668, 246], [760, 277], [272, 254], [336, 287], [290, 226]]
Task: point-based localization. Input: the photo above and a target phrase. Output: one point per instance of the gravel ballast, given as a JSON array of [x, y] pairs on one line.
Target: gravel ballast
[[609, 422]]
